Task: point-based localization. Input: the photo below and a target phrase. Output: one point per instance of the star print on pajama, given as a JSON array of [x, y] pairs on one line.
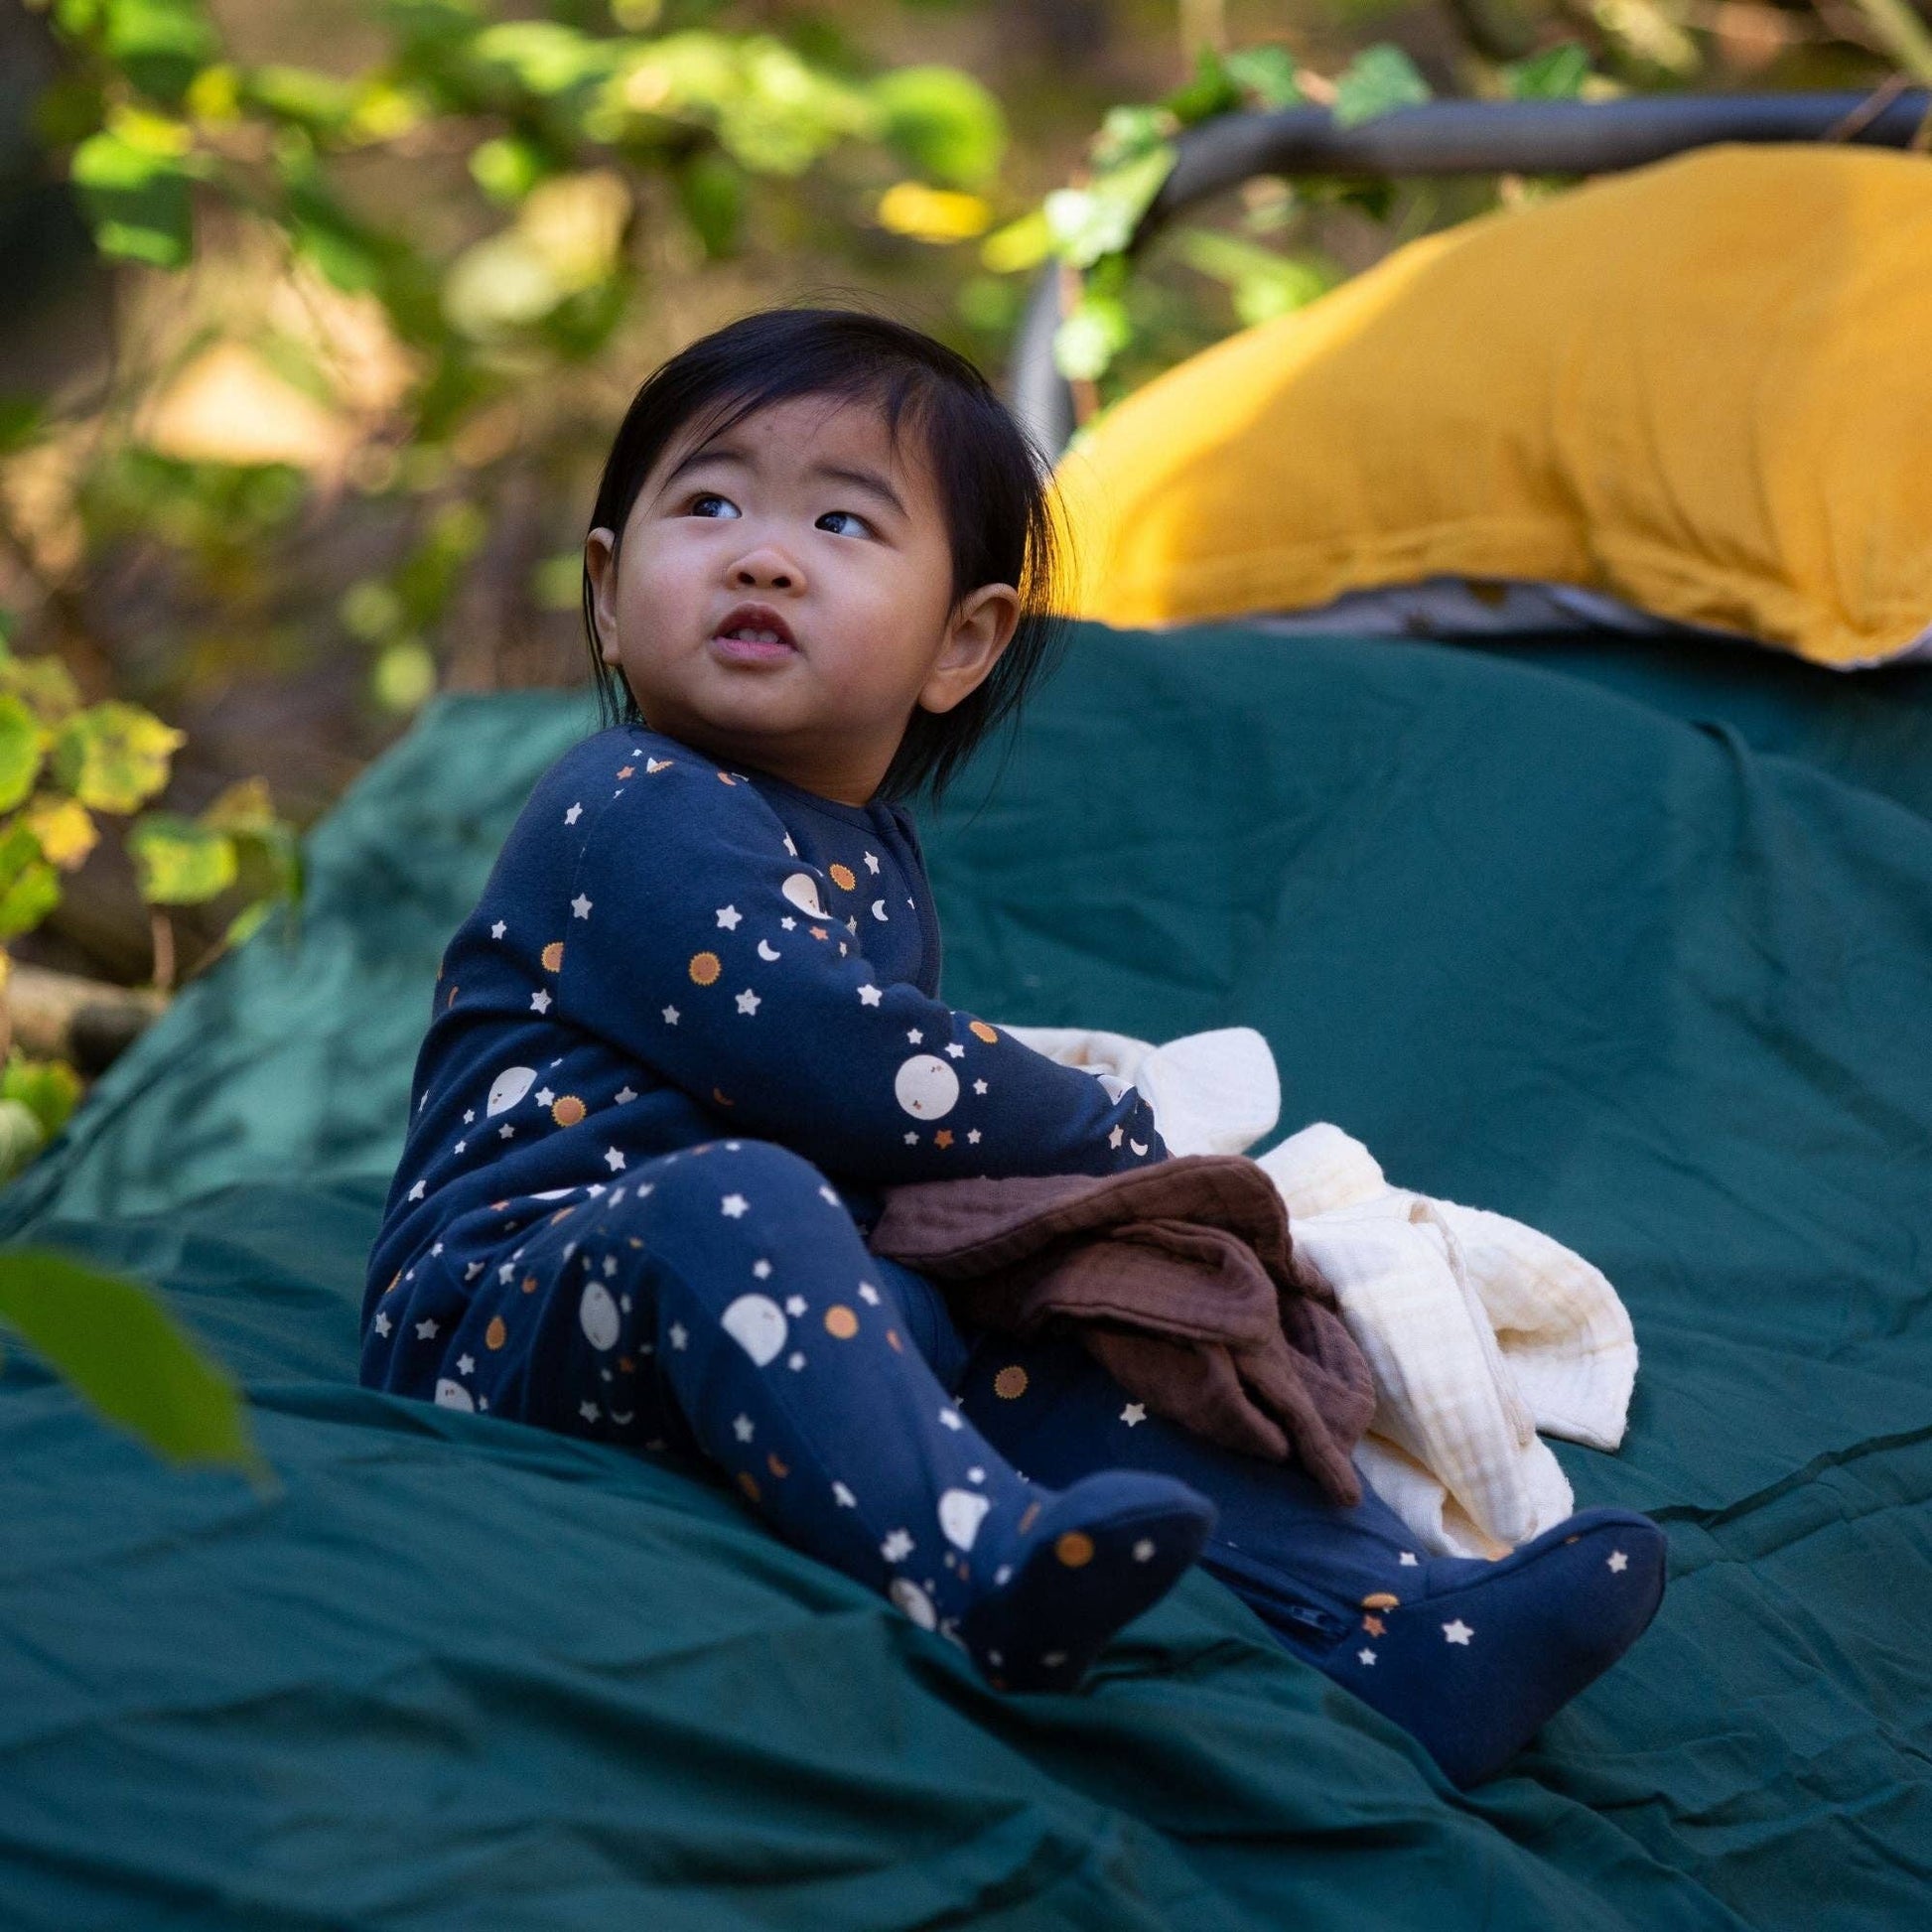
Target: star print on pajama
[[666, 952], [1469, 1655], [720, 1300]]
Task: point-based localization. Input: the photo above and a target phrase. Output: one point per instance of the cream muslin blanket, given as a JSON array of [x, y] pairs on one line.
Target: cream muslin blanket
[[1480, 1329]]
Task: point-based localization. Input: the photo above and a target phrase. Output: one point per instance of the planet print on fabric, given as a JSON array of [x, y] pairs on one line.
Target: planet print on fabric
[[843, 876], [926, 1086], [802, 889], [553, 957], [981, 1031], [453, 1395], [705, 968], [508, 1087], [961, 1513], [914, 1603], [758, 1324], [568, 1110], [599, 1315]]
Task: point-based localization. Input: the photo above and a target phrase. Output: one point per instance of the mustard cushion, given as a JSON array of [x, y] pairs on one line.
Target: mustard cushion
[[1703, 386]]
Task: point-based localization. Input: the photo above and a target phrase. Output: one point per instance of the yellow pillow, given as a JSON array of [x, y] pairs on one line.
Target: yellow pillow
[[1704, 386]]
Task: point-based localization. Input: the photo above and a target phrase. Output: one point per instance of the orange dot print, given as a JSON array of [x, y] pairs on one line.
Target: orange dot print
[[747, 1481], [496, 1333], [722, 1099], [1011, 1383], [568, 1110], [391, 1289], [553, 957], [981, 1031], [450, 1001], [625, 770], [841, 1322], [892, 1335], [705, 967], [842, 877], [1074, 1549], [530, 1284], [778, 1469], [1380, 1599]]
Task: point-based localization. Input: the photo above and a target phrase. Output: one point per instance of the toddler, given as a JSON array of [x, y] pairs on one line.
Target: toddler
[[693, 1026]]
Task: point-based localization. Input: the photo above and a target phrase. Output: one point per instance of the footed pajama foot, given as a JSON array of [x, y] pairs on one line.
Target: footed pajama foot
[[1080, 1565], [1472, 1657]]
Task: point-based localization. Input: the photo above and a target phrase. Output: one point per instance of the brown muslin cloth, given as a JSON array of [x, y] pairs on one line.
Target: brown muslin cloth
[[1180, 1278]]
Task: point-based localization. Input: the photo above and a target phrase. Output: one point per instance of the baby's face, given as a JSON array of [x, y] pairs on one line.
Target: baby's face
[[782, 595]]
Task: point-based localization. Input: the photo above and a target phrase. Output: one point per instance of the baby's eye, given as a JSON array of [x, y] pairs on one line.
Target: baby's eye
[[710, 505], [862, 524]]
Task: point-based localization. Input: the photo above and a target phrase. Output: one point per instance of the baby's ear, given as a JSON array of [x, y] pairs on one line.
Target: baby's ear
[[599, 559]]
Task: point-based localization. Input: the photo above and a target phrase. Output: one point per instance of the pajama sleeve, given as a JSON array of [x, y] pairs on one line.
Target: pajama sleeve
[[696, 943]]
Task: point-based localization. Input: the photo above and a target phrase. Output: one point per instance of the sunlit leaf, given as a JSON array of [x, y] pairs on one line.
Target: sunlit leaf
[[1019, 245], [507, 167], [138, 201], [160, 45], [404, 677], [1379, 79], [114, 756], [1556, 74], [711, 191], [50, 1089], [1269, 72], [938, 214], [64, 828], [180, 862], [120, 1350], [21, 741], [1089, 339], [22, 1135], [29, 887], [1100, 218], [944, 123]]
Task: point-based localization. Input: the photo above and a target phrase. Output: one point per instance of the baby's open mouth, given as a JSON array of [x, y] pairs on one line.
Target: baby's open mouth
[[754, 630]]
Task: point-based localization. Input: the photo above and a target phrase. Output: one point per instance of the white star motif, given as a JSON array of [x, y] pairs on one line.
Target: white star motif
[[868, 995], [973, 1138], [955, 1051], [437, 1249], [794, 1360], [383, 1325], [626, 1094], [1457, 1632], [742, 1429], [732, 1205], [1617, 1561], [609, 1266], [728, 917], [762, 1269], [1143, 1550], [469, 1114], [915, 1035], [507, 1132], [867, 1294], [540, 1001], [871, 861], [506, 1272], [679, 1334], [912, 1140], [747, 1000], [788, 924], [979, 1086], [827, 1196], [498, 930], [1367, 1656], [426, 1330], [950, 1416], [1134, 1414], [614, 1156], [589, 1411], [1410, 1561], [545, 1097], [460, 1145], [573, 816], [581, 906], [795, 1305], [851, 925], [897, 1547], [789, 847], [471, 1272], [844, 1497], [416, 1193], [670, 1016], [465, 1364], [1114, 1139]]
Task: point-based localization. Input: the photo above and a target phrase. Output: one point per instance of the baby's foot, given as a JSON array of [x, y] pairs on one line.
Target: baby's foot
[[1473, 1657], [1080, 1565]]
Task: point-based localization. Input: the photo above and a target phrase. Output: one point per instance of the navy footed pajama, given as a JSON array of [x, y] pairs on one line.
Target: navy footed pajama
[[688, 1031]]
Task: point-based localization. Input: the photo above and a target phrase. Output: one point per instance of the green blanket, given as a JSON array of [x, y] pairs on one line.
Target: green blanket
[[1634, 946]]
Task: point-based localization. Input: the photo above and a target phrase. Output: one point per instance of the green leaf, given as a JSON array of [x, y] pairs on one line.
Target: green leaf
[[160, 45], [1128, 132], [137, 201], [22, 1135], [116, 1345], [318, 102], [177, 862], [944, 122], [711, 191], [20, 418], [1264, 284], [48, 1089], [29, 887], [1211, 91], [114, 756], [1556, 73], [1100, 218], [20, 745], [1379, 79], [544, 56], [1270, 73], [1089, 339], [508, 167]]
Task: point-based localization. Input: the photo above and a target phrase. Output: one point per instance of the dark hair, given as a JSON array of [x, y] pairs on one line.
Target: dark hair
[[990, 478]]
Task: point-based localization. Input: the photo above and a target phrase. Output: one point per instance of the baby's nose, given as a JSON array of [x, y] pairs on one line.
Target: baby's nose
[[766, 572]]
